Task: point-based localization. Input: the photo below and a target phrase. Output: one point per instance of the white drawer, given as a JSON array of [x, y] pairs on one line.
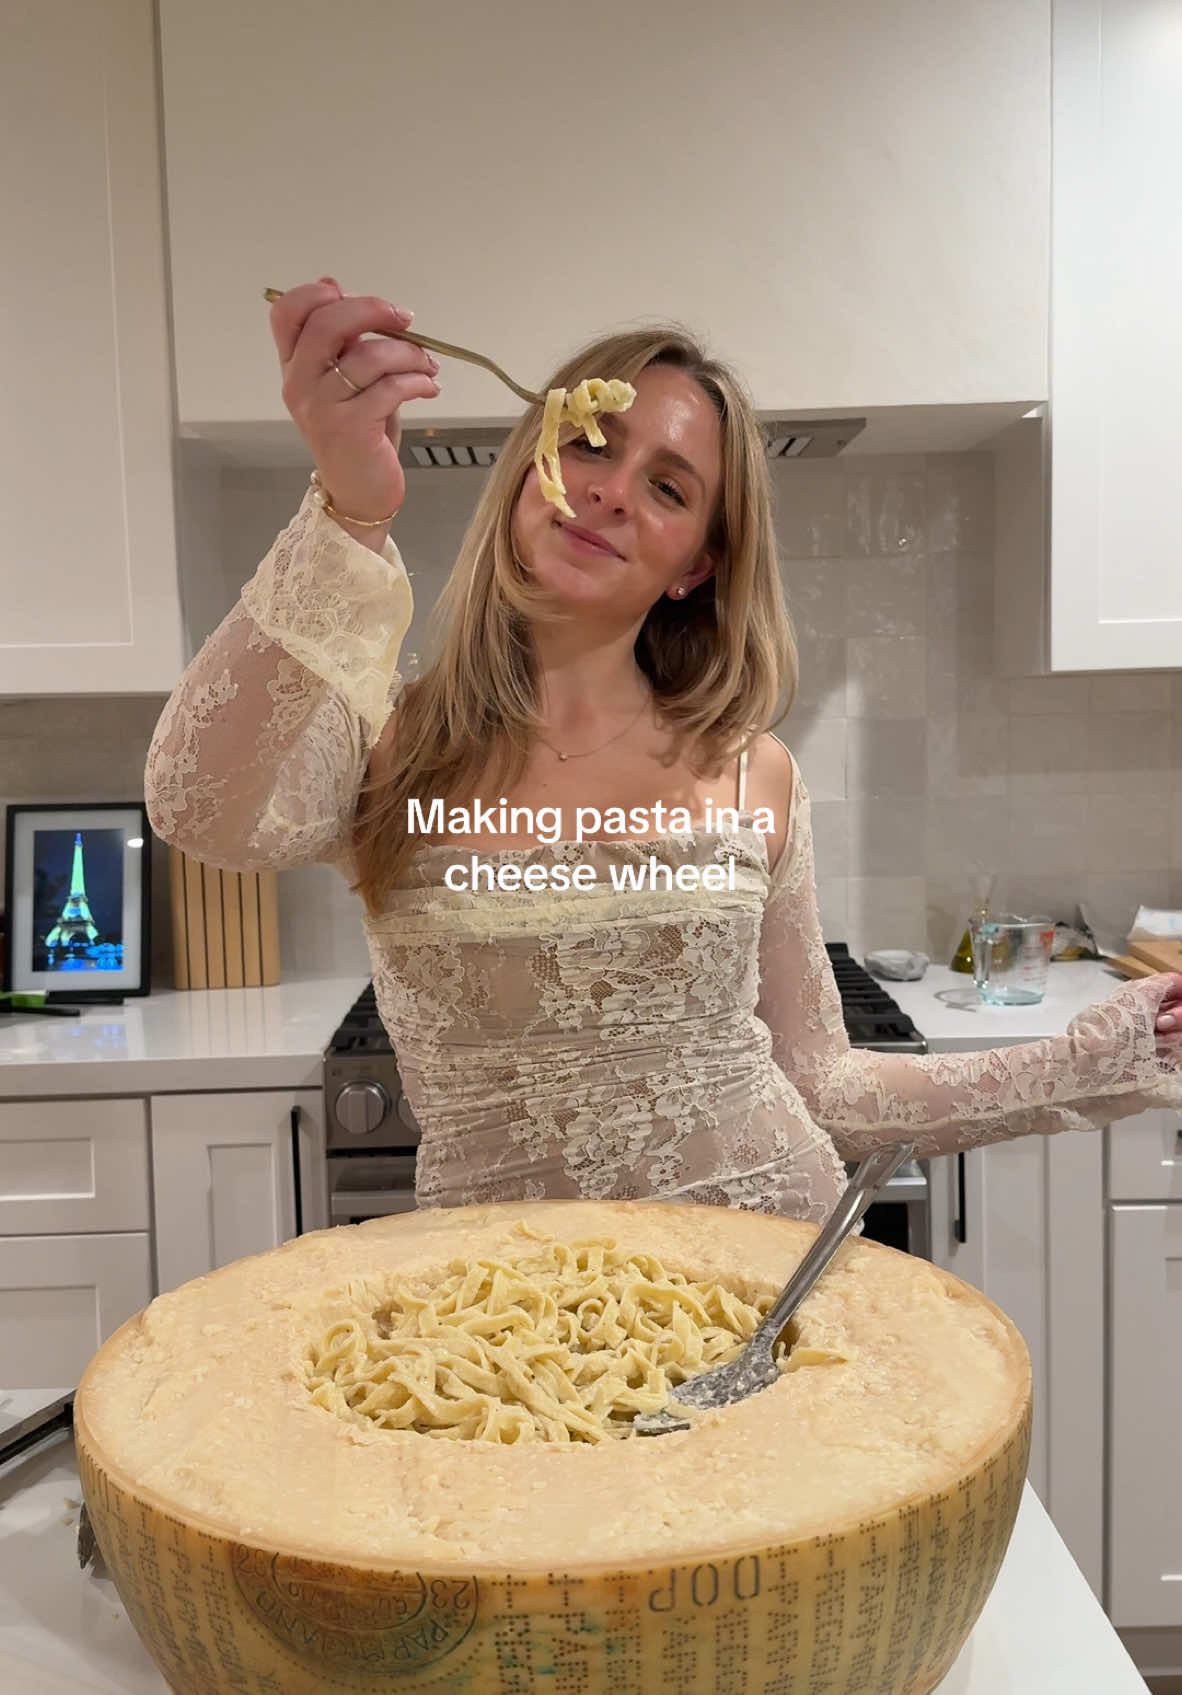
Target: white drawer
[[73, 1166], [1145, 1157]]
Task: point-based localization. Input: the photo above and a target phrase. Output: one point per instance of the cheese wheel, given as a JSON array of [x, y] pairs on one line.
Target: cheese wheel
[[837, 1532]]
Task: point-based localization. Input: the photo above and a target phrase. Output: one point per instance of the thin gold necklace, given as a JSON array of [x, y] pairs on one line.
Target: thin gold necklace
[[587, 754]]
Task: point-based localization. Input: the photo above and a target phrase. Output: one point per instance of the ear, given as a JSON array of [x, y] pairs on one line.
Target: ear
[[690, 579]]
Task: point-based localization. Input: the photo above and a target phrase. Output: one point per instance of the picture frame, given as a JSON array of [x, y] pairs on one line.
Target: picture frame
[[77, 894]]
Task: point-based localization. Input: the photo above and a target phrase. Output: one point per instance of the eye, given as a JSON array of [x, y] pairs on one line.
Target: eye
[[671, 492], [585, 446]]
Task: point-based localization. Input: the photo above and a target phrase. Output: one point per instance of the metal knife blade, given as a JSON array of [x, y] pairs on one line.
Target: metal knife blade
[[58, 1415]]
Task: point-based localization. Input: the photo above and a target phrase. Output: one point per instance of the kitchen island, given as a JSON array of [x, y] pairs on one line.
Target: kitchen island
[[64, 1631]]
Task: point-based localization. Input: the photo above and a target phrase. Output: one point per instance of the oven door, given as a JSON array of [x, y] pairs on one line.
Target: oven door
[[365, 1186], [901, 1216]]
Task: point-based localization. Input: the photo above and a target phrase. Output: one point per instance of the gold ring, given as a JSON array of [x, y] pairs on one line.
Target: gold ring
[[347, 382]]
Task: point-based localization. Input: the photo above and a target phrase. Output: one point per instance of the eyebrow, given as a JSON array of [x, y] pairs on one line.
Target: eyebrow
[[613, 424]]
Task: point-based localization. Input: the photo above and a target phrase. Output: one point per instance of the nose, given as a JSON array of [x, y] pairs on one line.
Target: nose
[[607, 485]]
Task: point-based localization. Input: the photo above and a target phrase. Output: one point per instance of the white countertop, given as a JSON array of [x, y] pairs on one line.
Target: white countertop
[[943, 1006], [179, 1040], [64, 1631], [274, 1038]]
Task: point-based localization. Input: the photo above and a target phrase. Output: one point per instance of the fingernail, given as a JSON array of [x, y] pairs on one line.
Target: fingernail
[[1165, 1022], [331, 280], [402, 312], [432, 363]]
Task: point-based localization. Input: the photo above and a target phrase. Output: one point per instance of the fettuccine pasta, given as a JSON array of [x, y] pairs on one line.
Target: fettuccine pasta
[[577, 406], [564, 1346]]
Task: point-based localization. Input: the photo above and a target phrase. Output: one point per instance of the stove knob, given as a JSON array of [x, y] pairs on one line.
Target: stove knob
[[361, 1107]]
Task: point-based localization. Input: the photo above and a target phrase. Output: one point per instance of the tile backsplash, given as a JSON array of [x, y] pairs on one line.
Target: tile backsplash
[[925, 763]]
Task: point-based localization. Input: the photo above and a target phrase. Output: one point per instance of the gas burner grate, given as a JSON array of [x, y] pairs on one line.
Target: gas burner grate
[[869, 1012]]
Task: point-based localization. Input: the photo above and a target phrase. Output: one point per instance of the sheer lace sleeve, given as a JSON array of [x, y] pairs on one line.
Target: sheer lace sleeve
[[260, 753], [1109, 1062]]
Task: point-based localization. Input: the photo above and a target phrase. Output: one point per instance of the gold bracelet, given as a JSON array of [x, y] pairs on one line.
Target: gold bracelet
[[321, 498]]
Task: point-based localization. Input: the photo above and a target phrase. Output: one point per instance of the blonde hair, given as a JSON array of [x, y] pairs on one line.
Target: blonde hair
[[722, 662]]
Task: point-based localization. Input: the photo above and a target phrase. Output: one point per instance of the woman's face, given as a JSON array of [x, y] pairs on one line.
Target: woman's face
[[642, 505]]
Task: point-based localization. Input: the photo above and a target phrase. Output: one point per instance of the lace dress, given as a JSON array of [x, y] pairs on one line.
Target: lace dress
[[606, 1042]]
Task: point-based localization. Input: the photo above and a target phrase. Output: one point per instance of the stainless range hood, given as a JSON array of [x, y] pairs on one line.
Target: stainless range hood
[[463, 446]]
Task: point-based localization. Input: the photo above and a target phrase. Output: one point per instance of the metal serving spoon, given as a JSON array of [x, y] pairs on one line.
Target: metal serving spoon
[[755, 1367], [448, 348]]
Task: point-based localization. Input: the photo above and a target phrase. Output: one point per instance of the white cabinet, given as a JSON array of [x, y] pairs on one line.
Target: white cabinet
[[1145, 1503], [61, 1297], [1116, 353], [75, 1254], [1145, 1478], [1032, 1215], [88, 578], [1145, 1160], [227, 1178], [1003, 1251], [850, 202]]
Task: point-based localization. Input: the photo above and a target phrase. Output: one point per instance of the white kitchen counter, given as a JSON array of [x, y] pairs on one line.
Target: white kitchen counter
[[274, 1038], [943, 1005], [176, 1040], [64, 1632]]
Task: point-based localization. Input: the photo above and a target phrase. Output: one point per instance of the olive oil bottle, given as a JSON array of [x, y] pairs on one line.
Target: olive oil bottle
[[962, 959]]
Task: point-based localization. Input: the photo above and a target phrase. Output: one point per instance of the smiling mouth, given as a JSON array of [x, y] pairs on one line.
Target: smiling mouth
[[590, 542]]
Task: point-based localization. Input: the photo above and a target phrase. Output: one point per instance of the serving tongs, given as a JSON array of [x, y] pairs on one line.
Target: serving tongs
[[449, 349], [756, 1367]]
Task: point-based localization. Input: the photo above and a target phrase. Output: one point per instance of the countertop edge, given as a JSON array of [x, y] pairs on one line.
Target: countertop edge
[[161, 1076]]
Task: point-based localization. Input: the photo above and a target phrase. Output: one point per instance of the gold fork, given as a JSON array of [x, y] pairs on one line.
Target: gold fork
[[445, 347]]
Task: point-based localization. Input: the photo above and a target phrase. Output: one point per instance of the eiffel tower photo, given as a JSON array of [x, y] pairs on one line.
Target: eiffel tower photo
[[75, 931]]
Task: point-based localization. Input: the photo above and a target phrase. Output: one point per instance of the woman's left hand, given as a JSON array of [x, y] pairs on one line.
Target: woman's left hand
[[1169, 1012]]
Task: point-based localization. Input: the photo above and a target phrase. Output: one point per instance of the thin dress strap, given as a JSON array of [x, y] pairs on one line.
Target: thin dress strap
[[742, 800]]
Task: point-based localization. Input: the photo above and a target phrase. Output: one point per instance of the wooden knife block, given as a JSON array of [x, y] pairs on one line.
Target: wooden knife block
[[225, 925]]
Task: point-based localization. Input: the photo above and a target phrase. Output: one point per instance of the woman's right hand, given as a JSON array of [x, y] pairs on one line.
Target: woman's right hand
[[353, 438]]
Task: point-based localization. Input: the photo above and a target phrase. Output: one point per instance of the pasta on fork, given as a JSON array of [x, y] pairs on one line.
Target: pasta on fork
[[577, 406]]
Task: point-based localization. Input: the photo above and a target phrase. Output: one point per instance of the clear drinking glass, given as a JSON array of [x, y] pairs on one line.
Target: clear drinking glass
[[1010, 958]]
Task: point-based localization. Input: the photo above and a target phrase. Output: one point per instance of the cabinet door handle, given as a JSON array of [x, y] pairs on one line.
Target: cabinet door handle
[[297, 1182], [959, 1230]]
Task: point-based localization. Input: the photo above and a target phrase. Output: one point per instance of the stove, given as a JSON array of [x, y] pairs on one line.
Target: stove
[[372, 1134], [872, 1019]]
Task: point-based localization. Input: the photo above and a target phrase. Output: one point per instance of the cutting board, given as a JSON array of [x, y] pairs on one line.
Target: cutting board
[[1144, 958], [225, 925], [1160, 954]]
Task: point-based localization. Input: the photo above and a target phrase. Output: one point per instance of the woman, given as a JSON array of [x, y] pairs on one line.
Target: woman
[[595, 1040]]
